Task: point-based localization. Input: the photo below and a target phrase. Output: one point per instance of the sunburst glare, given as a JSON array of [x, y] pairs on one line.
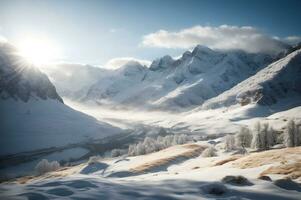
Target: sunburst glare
[[39, 51]]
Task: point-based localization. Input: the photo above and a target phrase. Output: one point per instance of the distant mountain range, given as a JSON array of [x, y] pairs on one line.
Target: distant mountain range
[[167, 84]]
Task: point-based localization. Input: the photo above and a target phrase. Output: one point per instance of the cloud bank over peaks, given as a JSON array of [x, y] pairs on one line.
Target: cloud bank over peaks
[[116, 63], [223, 37]]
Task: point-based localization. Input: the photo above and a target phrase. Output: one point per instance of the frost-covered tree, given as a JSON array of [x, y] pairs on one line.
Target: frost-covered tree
[[118, 152], [230, 143], [209, 152], [94, 159], [272, 137], [132, 149], [297, 137], [140, 149], [292, 136], [263, 137], [149, 145], [182, 139], [243, 138], [44, 166], [168, 141], [264, 134], [256, 140]]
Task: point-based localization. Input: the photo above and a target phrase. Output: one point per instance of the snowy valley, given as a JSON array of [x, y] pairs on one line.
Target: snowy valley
[[210, 124]]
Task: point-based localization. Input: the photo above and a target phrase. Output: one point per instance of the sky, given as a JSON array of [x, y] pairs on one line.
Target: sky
[[105, 32]]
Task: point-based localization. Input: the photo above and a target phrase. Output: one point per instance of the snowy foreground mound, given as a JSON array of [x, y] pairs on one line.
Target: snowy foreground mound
[[178, 172]]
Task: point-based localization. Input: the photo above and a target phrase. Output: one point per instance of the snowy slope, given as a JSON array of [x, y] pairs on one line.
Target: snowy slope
[[33, 116], [41, 124], [177, 83], [281, 79], [117, 86]]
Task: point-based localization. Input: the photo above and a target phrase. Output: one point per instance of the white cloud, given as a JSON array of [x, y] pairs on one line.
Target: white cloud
[[2, 39], [222, 37], [116, 63], [292, 40]]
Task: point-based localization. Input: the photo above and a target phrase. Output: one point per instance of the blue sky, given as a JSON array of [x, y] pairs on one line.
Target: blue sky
[[96, 31]]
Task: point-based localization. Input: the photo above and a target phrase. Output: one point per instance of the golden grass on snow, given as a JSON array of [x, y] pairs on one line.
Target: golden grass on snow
[[285, 155], [230, 159], [291, 170], [285, 161], [190, 151]]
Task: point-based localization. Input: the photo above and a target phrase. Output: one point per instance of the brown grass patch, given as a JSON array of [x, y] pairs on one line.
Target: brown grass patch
[[285, 155], [230, 159], [25, 179], [192, 151], [291, 170], [62, 172]]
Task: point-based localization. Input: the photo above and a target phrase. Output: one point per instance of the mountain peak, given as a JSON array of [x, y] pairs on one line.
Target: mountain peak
[[200, 49], [161, 63]]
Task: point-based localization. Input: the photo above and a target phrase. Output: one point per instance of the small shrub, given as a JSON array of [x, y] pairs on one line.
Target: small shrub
[[44, 166], [214, 188], [118, 152], [287, 184], [93, 160], [265, 178], [236, 180]]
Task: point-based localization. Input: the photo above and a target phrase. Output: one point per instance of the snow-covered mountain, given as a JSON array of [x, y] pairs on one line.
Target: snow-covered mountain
[[281, 79], [33, 116], [119, 85], [173, 84], [74, 80]]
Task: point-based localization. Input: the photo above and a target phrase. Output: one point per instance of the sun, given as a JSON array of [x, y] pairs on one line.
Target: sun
[[39, 51]]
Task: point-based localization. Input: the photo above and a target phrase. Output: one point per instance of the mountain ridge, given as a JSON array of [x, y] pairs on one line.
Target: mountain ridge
[[170, 83]]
